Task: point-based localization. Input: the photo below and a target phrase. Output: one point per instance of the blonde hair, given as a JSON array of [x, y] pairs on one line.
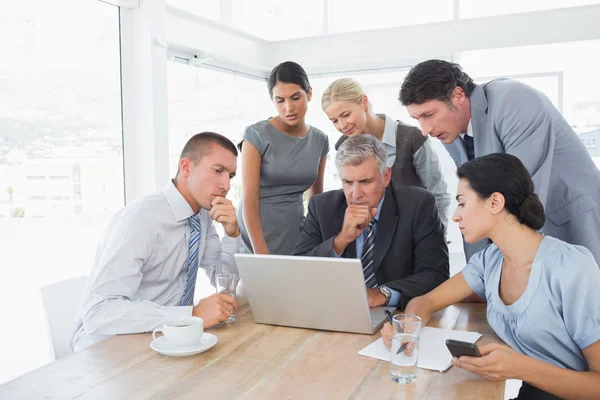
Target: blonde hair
[[343, 89]]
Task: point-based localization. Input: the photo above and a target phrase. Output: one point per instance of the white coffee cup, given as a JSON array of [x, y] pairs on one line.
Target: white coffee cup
[[182, 332]]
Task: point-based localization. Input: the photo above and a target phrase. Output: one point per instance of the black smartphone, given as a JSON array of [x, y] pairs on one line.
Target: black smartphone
[[458, 348]]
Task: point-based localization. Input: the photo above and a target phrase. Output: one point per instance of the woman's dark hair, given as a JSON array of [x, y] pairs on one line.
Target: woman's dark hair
[[288, 72], [505, 174], [434, 80]]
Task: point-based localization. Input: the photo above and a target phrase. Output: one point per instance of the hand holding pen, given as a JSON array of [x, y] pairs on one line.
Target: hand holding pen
[[389, 317]]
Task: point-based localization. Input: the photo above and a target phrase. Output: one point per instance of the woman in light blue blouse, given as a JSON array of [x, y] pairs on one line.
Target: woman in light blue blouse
[[543, 295]]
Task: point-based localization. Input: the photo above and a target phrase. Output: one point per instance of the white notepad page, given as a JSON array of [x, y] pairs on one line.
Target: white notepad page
[[433, 353]]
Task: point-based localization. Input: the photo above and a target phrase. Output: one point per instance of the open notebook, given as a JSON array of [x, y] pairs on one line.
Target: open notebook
[[433, 353]]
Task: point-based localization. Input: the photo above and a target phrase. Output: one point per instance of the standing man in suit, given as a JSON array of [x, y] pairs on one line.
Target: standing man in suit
[[148, 258], [395, 232], [505, 116]]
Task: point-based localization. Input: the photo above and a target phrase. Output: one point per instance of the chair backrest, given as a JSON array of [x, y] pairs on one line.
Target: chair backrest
[[61, 301]]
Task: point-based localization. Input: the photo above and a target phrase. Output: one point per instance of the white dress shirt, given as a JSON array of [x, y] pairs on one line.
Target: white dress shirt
[[140, 269], [469, 131], [427, 166]]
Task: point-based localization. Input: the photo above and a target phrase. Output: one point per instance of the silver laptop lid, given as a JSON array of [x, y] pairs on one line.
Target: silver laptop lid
[[308, 292]]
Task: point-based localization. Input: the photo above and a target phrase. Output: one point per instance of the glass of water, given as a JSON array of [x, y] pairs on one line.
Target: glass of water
[[227, 283], [406, 331]]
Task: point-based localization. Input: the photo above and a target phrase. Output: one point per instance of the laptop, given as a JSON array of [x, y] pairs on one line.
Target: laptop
[[309, 292]]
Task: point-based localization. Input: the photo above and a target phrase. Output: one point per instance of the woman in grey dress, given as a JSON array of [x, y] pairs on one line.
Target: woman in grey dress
[[282, 157]]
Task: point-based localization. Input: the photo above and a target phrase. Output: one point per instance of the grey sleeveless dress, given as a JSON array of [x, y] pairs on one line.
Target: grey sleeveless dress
[[289, 168]]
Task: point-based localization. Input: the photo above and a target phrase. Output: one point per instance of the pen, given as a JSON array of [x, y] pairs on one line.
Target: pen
[[388, 315]]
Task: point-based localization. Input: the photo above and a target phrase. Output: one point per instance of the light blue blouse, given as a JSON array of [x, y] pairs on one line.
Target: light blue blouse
[[557, 316]]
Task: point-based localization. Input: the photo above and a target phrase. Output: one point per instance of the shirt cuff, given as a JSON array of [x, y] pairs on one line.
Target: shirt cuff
[[179, 311], [232, 245], [334, 253], [395, 299]]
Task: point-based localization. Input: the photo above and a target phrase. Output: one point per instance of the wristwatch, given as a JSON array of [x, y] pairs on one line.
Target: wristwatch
[[387, 293]]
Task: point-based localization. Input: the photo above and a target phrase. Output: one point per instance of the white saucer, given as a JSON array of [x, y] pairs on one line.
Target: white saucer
[[161, 346]]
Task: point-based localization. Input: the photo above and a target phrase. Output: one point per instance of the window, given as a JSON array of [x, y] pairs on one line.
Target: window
[[60, 112], [476, 8]]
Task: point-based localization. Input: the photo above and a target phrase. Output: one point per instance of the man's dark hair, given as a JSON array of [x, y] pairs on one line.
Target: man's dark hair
[[434, 80], [200, 144], [288, 72]]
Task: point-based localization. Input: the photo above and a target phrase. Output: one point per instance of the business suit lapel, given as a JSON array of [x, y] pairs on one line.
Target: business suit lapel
[[386, 227], [338, 223], [479, 106], [457, 151]]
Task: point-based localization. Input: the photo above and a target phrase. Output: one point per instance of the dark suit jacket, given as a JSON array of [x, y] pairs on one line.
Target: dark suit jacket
[[410, 250]]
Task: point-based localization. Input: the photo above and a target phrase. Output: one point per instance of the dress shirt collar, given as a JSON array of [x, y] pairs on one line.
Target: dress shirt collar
[[389, 131], [379, 208], [179, 206], [469, 130]]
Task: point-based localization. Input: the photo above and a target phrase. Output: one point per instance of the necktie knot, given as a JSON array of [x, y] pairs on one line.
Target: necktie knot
[[370, 228], [194, 223]]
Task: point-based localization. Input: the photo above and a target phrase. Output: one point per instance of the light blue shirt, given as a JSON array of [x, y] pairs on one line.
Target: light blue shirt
[[557, 315], [360, 242], [469, 131]]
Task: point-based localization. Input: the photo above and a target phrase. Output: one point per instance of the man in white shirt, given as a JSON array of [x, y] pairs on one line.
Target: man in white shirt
[[147, 259]]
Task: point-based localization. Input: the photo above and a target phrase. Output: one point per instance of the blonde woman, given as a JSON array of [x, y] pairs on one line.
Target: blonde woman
[[411, 156]]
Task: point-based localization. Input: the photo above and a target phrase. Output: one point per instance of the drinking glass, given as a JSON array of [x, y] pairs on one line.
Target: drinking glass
[[406, 331], [227, 283]]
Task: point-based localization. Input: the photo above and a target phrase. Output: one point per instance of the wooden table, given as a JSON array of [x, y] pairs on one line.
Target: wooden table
[[253, 361]]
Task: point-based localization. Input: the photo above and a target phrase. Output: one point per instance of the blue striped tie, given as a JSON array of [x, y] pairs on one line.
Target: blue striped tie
[[368, 257], [188, 294]]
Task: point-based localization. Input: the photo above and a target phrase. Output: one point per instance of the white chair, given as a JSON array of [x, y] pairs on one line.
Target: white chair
[[61, 301]]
